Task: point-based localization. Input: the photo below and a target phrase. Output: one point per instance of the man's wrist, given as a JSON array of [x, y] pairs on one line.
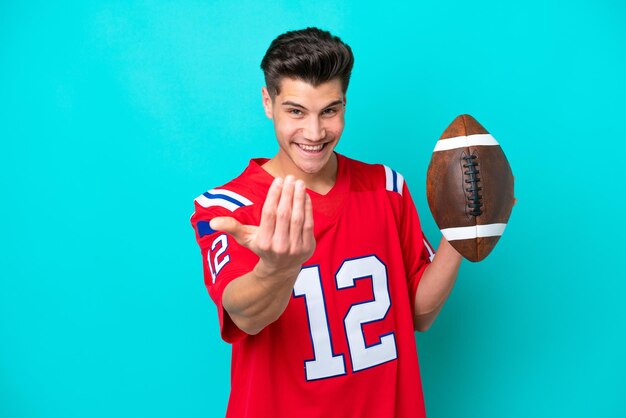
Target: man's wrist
[[271, 274]]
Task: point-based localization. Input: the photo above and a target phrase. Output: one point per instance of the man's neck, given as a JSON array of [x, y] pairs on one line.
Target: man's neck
[[321, 182]]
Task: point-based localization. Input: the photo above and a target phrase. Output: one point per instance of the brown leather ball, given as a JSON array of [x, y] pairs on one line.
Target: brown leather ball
[[469, 186]]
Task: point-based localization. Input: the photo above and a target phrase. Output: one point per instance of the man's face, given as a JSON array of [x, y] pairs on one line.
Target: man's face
[[308, 122]]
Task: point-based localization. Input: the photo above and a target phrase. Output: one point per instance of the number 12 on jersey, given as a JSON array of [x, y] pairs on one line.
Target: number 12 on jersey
[[309, 286]]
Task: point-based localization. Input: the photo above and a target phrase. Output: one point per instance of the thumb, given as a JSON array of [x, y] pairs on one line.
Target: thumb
[[230, 226]]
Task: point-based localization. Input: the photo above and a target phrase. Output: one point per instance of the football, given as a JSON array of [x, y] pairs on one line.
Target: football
[[469, 186]]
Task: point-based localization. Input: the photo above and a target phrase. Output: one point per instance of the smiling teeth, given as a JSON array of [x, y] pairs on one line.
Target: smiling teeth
[[310, 147]]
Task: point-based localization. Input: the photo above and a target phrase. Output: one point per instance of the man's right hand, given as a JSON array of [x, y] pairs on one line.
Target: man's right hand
[[284, 239]]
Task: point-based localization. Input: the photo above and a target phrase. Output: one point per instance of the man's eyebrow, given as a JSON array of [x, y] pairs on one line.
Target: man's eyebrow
[[294, 104], [335, 103]]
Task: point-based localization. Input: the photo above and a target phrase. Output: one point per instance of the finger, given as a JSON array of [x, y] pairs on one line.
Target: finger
[[307, 228], [297, 214], [280, 241], [230, 226], [268, 213]]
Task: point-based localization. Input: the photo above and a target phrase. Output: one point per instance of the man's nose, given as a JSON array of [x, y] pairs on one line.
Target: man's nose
[[314, 131]]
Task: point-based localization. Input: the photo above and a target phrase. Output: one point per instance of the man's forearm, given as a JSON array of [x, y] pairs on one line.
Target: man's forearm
[[254, 300], [435, 285]]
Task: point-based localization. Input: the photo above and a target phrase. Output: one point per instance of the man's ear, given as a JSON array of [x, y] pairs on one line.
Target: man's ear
[[267, 103]]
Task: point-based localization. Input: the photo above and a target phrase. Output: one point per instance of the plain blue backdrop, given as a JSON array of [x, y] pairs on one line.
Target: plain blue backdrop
[[115, 115]]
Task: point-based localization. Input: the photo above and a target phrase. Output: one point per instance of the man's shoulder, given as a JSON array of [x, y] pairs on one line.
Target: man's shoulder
[[374, 175], [234, 196]]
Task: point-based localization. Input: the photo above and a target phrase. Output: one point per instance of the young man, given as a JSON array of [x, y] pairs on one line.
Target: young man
[[317, 262]]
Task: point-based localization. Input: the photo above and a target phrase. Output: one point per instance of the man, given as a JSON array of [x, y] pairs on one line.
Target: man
[[317, 262]]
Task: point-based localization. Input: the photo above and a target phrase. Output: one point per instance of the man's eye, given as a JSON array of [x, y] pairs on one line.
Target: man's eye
[[296, 112], [329, 111]]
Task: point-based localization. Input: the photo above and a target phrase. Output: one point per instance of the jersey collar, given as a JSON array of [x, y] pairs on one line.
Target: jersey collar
[[328, 205]]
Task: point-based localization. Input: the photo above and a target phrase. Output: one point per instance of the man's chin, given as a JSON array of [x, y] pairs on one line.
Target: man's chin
[[317, 167]]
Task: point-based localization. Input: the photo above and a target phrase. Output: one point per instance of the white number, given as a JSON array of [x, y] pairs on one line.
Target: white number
[[364, 357], [309, 285], [324, 364], [223, 241]]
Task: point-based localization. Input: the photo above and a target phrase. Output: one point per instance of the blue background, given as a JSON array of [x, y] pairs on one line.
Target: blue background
[[115, 115]]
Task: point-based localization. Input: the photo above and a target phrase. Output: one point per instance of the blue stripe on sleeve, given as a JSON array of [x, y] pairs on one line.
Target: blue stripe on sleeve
[[222, 196], [204, 228], [395, 180]]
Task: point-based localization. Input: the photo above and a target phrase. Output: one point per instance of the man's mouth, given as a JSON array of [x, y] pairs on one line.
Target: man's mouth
[[311, 148]]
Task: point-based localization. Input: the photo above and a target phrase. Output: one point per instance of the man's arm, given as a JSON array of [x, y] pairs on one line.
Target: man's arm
[[435, 285], [257, 299], [283, 241]]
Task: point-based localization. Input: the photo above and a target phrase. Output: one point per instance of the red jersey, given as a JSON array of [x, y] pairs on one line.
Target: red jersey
[[344, 346]]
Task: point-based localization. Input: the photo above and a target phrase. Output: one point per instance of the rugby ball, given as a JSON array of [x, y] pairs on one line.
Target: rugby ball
[[469, 186]]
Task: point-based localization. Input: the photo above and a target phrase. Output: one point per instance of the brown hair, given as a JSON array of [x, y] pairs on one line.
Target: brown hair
[[311, 55]]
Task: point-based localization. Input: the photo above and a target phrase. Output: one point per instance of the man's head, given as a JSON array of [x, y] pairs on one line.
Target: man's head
[[307, 74], [311, 55]]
